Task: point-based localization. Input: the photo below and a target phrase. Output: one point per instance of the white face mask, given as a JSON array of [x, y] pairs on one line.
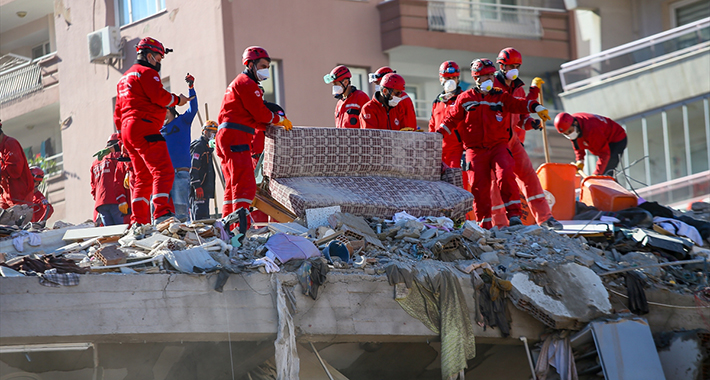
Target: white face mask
[[263, 74], [337, 90], [450, 85], [511, 74], [573, 135], [486, 86], [377, 87], [394, 101]]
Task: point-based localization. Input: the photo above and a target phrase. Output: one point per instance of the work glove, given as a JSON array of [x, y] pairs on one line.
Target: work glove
[[537, 82], [102, 153], [127, 181], [579, 165], [542, 113], [535, 124], [190, 80], [286, 123], [199, 193], [408, 129], [123, 208]]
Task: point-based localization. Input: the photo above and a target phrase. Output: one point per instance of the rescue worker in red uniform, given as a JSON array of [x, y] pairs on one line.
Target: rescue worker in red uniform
[[482, 117], [243, 112], [108, 174], [15, 177], [350, 99], [140, 112], [509, 61], [602, 136], [406, 104], [383, 111], [42, 210], [452, 147]]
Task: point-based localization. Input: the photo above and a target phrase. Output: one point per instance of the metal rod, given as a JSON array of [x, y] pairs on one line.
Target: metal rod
[[527, 351], [321, 361], [693, 261]]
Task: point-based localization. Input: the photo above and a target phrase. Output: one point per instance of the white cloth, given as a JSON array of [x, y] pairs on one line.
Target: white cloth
[[679, 228], [19, 240], [268, 264]]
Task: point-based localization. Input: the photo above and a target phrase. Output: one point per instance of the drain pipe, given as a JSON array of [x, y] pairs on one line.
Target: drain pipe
[[527, 351]]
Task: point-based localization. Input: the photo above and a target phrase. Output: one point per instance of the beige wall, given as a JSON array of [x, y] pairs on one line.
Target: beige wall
[[208, 37]]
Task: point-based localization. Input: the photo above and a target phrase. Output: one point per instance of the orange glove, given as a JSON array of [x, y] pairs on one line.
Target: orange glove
[[542, 113], [537, 82], [123, 208], [579, 165], [286, 123], [127, 181]]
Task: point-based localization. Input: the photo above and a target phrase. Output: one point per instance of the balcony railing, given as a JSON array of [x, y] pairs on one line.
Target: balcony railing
[[481, 19], [635, 55], [21, 76]]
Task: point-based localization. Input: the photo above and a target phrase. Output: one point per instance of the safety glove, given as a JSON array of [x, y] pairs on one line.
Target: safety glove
[[123, 208], [286, 123], [542, 113], [537, 82], [579, 165], [190, 80], [102, 153]]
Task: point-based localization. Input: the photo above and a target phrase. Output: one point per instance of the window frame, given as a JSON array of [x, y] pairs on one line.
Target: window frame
[[131, 21], [674, 6]]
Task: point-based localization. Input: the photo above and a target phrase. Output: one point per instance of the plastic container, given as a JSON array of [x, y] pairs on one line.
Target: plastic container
[[558, 182], [604, 193]]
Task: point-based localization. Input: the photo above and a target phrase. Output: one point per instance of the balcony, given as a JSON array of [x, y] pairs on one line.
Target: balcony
[[474, 26], [21, 76]]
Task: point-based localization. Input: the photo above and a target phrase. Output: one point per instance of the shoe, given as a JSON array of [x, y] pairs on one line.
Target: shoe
[[163, 218], [552, 224], [515, 221], [136, 231]]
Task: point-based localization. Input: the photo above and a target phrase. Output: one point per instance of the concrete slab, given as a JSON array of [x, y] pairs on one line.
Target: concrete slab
[[88, 233]]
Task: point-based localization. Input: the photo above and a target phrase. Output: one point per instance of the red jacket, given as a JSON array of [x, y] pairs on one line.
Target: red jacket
[[375, 115], [438, 113], [42, 209], [483, 121], [522, 122], [410, 114], [141, 95], [596, 132], [347, 111], [107, 178], [15, 178], [243, 104]]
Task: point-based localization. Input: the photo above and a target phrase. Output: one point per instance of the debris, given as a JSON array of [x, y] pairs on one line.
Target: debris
[[316, 217], [87, 233], [194, 260], [288, 247], [110, 255]]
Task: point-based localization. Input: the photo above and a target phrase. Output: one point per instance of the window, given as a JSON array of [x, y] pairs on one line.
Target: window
[[496, 10], [687, 11], [40, 50], [359, 79], [273, 88], [133, 10]]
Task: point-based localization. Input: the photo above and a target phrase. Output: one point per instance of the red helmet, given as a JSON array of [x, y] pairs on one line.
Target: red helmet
[[449, 69], [563, 121], [253, 53], [37, 173], [482, 66], [376, 77], [509, 56], [393, 81], [113, 137], [152, 45], [338, 74]]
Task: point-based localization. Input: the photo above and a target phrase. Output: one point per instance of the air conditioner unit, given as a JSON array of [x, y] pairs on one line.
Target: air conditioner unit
[[104, 44]]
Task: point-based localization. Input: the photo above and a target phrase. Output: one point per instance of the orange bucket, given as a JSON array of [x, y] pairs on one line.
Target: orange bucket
[[558, 182], [604, 193]]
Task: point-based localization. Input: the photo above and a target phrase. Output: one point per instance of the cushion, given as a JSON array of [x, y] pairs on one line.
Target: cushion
[[335, 152], [372, 196]]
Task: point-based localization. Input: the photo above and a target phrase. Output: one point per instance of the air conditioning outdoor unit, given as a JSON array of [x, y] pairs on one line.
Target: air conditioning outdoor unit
[[104, 44]]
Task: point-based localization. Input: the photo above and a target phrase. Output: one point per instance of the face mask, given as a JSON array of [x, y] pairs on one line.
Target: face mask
[[394, 101], [450, 85], [511, 74], [377, 87], [338, 90], [212, 143], [573, 135], [486, 86], [262, 74]]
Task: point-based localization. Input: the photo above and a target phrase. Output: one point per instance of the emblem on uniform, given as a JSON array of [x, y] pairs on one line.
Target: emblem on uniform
[[366, 116], [257, 93], [396, 121], [499, 117]]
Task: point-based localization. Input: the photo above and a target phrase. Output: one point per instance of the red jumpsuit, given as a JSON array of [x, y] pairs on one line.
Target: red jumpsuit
[[596, 133], [15, 178], [526, 175], [375, 115], [243, 112], [347, 110], [452, 147], [42, 209], [410, 114], [107, 178], [139, 115], [483, 122]]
